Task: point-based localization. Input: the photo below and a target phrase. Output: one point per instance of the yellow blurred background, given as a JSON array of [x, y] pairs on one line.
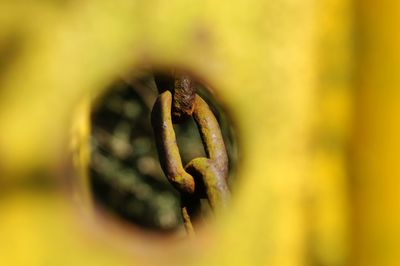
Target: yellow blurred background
[[312, 88]]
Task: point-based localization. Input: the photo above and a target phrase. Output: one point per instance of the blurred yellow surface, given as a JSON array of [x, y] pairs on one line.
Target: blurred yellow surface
[[312, 88]]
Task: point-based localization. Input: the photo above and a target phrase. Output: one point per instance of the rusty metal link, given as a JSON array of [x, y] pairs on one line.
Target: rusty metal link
[[168, 152], [183, 94], [204, 177]]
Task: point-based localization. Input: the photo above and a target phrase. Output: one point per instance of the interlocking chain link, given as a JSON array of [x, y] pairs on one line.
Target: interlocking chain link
[[203, 177]]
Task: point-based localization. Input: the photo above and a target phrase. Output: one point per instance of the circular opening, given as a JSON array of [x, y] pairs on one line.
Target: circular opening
[[125, 170]]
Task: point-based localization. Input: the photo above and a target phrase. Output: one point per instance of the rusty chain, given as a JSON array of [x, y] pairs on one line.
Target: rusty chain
[[203, 177]]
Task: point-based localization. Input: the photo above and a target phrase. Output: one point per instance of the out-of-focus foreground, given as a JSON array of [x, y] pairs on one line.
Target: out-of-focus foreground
[[312, 88]]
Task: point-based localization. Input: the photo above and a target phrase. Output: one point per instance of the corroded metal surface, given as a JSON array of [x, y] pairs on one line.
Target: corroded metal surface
[[183, 94], [201, 177], [183, 98]]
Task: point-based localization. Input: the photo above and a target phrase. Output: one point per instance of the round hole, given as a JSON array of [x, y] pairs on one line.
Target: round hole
[[125, 174]]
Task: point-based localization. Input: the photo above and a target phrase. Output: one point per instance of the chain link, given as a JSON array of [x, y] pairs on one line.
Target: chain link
[[203, 177]]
